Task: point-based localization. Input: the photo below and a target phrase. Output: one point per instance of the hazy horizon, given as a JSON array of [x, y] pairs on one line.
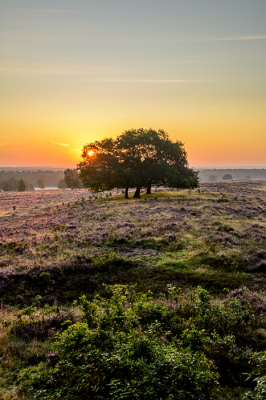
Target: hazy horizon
[[47, 167]]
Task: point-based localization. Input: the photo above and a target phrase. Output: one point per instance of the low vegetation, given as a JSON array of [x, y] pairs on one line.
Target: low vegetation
[[168, 294]]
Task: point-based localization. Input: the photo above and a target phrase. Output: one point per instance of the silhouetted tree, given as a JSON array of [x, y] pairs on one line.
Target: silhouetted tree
[[227, 177], [212, 178], [12, 184], [137, 158], [72, 179], [21, 185], [40, 184], [61, 184]]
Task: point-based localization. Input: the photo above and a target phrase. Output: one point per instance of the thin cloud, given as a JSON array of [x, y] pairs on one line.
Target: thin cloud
[[34, 9], [235, 38], [52, 141], [66, 145], [92, 77], [179, 40], [160, 81], [75, 71], [179, 81]]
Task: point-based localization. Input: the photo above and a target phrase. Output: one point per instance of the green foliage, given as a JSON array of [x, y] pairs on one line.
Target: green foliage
[[71, 178], [130, 345], [21, 185], [123, 349], [61, 184], [106, 259], [258, 376], [41, 324], [223, 199], [40, 184], [227, 177], [29, 311]]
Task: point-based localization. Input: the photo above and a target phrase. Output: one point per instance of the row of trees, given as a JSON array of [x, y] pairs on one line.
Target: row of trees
[[212, 175], [12, 184], [15, 185], [49, 177], [19, 185], [226, 177], [135, 159]]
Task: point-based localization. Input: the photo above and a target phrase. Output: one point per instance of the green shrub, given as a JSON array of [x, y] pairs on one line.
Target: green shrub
[[133, 346], [120, 352]]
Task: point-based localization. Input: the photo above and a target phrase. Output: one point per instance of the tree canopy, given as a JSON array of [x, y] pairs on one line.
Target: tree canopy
[[227, 177], [61, 184], [21, 185], [40, 184], [71, 178], [135, 159]]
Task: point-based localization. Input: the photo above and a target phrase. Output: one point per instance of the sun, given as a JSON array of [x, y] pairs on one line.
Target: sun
[[90, 153]]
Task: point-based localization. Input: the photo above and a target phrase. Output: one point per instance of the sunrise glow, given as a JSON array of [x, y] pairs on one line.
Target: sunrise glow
[[194, 69]]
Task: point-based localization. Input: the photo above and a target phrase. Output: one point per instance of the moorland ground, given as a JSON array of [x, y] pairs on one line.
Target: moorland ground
[[61, 244]]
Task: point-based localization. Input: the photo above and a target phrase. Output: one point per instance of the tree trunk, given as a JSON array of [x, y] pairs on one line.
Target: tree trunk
[[149, 188], [126, 193], [137, 193]]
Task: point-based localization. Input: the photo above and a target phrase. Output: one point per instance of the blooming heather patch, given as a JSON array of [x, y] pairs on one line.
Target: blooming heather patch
[[50, 229], [56, 246]]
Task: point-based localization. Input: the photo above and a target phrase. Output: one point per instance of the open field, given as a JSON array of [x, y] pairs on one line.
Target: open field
[[62, 244], [214, 236]]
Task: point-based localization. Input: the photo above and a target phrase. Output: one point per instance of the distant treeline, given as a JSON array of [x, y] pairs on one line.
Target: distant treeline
[[212, 175], [15, 185], [50, 178], [59, 179]]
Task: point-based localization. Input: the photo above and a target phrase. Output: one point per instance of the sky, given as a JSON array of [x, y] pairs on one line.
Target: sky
[[76, 71]]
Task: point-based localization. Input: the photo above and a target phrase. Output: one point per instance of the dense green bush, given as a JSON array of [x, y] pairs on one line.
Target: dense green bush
[[130, 346]]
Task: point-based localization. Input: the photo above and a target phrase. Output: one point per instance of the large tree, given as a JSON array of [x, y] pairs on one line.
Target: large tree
[[100, 165], [137, 158]]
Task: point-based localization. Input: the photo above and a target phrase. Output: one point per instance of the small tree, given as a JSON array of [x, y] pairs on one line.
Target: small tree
[[12, 184], [30, 186], [40, 184], [227, 177], [21, 185], [212, 178], [72, 179], [61, 184]]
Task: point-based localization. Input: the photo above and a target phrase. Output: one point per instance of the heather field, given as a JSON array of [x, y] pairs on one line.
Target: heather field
[[58, 245]]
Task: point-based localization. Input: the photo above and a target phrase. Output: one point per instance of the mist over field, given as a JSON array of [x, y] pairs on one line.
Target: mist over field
[[51, 176]]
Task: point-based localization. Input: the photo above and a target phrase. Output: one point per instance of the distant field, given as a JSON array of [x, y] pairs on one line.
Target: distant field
[[61, 244]]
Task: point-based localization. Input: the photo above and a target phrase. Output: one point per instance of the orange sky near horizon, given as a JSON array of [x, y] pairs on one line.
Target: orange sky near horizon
[[76, 72]]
